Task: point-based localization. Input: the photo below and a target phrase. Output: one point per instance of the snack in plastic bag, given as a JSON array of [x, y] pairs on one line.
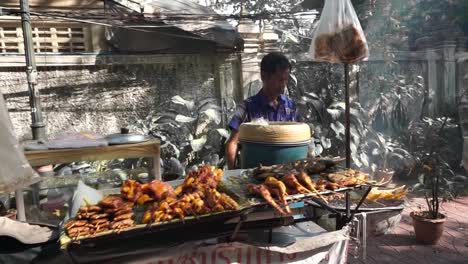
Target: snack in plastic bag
[[339, 36], [15, 171]]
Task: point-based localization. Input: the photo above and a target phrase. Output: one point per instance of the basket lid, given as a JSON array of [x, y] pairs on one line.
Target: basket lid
[[275, 132]]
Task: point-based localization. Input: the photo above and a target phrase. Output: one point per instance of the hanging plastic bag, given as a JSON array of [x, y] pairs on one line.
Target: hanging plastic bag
[[15, 171], [338, 37]]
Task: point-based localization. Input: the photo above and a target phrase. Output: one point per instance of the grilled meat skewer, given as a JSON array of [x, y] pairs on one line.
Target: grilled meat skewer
[[291, 181], [280, 191], [263, 191]]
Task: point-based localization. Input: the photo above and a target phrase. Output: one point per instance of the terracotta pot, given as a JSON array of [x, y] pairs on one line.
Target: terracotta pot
[[428, 231]]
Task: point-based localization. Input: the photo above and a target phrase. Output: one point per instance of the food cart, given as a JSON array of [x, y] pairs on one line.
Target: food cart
[[253, 230], [229, 216]]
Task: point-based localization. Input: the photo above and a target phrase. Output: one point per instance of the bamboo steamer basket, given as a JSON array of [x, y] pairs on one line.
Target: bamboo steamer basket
[[275, 143]]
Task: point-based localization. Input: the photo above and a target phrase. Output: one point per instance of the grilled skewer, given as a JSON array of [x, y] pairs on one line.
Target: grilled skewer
[[263, 191], [279, 189]]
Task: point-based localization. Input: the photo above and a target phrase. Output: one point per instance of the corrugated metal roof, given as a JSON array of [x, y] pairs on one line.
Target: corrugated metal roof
[[190, 20]]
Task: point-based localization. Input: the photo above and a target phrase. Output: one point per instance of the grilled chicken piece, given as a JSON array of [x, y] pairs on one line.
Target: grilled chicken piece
[[323, 184], [309, 184], [321, 165], [205, 175], [310, 165], [89, 209], [263, 191], [320, 185], [279, 189], [112, 201], [306, 181], [396, 193], [159, 189], [291, 181], [228, 202], [264, 175], [144, 199], [131, 190], [276, 192], [347, 177]]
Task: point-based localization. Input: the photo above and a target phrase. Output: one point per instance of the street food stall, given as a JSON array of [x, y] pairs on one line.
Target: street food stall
[[238, 213], [266, 213], [275, 209]]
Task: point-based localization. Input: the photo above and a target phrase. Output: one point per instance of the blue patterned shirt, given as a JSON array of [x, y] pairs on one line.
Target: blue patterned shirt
[[257, 106]]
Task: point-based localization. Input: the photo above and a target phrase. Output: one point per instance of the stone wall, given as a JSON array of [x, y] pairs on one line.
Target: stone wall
[[104, 98]]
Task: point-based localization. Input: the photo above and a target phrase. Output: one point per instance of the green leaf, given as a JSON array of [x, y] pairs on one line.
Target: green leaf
[[326, 142], [198, 144], [318, 149], [334, 113], [213, 115], [184, 119], [418, 186], [376, 152], [364, 159], [421, 179], [293, 77], [181, 101], [223, 132], [338, 127]]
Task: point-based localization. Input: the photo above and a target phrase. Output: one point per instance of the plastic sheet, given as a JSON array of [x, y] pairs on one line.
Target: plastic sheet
[[76, 140], [339, 37], [15, 171]]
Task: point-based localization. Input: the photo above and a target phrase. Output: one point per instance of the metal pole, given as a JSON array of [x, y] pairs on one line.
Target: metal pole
[[364, 236], [20, 211], [347, 117], [37, 124]]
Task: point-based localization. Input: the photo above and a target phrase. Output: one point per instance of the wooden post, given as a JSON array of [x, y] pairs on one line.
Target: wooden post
[[450, 89]]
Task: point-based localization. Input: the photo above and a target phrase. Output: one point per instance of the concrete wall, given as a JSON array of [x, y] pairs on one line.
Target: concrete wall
[[104, 98]]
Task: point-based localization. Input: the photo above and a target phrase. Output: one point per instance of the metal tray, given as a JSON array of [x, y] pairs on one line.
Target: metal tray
[[143, 230]]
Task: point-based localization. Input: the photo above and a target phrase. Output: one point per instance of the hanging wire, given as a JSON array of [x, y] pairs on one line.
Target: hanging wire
[[106, 19], [166, 15]]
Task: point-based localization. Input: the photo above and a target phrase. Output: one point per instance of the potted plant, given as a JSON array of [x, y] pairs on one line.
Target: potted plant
[[429, 224]]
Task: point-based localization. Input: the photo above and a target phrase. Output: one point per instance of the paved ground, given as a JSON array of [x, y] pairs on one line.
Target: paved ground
[[400, 246]]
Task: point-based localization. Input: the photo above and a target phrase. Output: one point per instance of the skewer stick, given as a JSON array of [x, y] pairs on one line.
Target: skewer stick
[[319, 195]]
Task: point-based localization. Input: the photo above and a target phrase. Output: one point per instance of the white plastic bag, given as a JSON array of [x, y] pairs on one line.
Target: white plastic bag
[[260, 121], [338, 37], [15, 171]]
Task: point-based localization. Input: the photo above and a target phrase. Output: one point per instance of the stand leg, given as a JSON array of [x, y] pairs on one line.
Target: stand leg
[[348, 205], [156, 168], [21, 213], [242, 219], [364, 236]]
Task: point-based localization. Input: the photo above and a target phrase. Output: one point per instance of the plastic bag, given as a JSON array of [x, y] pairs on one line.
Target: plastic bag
[[339, 37], [76, 140], [260, 121], [15, 171]]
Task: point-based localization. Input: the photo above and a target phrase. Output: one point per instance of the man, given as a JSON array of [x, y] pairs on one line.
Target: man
[[269, 103]]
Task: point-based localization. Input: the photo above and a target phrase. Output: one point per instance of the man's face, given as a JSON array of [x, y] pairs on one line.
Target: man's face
[[277, 81]]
